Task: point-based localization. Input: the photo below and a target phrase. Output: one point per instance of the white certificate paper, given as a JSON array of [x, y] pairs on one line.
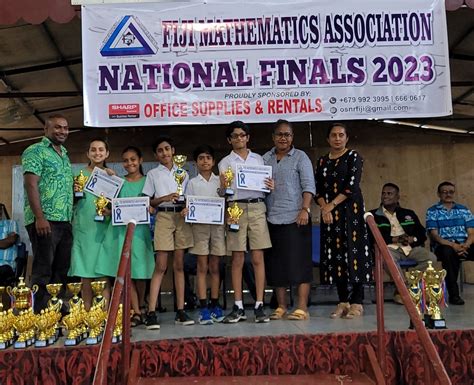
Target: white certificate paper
[[101, 182], [125, 209], [252, 177], [208, 210]]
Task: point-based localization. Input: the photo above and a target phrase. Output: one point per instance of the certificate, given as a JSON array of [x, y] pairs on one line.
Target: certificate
[[207, 210], [125, 209], [252, 177], [102, 183]]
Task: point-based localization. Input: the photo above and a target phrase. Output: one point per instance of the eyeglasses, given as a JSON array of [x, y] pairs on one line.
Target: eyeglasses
[[447, 192], [238, 136], [282, 134]]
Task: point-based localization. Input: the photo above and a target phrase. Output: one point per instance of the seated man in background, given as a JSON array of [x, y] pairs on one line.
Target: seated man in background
[[451, 228], [401, 230], [8, 249]]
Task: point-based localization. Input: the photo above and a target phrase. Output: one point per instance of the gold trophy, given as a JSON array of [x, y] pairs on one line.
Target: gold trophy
[[74, 321], [80, 180], [24, 318], [228, 177], [6, 324], [96, 316], [414, 283], [47, 321], [234, 212], [434, 280], [180, 176], [117, 334], [100, 205]]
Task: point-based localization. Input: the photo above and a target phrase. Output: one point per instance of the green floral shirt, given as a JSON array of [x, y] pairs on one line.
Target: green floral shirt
[[55, 184]]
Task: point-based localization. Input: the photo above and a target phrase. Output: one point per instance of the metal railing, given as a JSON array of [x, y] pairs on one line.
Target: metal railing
[[382, 255], [120, 291]]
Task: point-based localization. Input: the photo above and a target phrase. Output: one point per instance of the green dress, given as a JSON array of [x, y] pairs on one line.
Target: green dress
[[143, 261], [88, 236]]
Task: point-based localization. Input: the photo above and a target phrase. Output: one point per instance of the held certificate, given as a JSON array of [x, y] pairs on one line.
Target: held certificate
[[208, 210], [101, 182], [125, 209], [252, 177]]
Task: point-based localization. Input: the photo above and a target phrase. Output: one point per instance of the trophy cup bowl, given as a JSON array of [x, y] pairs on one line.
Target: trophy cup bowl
[[100, 205], [54, 289], [98, 288], [229, 177], [180, 175], [234, 212], [80, 180], [74, 288]]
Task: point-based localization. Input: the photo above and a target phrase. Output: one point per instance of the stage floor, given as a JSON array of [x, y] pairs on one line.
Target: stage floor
[[396, 318]]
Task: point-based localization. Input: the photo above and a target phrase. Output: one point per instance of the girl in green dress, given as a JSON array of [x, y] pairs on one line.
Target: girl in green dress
[[88, 234], [142, 260]]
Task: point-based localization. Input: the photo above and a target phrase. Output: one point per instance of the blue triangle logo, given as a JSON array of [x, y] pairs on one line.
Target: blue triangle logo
[[129, 38]]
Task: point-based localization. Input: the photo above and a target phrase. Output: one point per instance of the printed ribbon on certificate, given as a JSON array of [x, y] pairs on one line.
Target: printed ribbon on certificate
[[102, 183], [125, 209], [208, 210], [252, 177]]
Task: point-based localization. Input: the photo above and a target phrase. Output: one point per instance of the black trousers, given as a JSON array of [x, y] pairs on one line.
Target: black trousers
[[451, 262], [51, 259]]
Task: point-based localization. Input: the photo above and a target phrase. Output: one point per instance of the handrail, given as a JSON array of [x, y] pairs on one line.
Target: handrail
[[426, 342], [122, 284]]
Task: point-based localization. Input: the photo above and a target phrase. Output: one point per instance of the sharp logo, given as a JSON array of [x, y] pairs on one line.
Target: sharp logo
[[129, 38], [124, 111]]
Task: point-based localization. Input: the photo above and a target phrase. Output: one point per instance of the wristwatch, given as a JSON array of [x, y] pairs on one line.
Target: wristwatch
[[307, 209]]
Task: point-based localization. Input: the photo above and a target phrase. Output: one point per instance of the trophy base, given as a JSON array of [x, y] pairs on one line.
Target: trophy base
[[71, 342], [99, 218], [30, 342], [4, 344], [52, 340], [234, 227], [116, 339], [93, 340], [42, 343], [79, 195], [228, 192], [19, 345], [181, 199], [436, 323]]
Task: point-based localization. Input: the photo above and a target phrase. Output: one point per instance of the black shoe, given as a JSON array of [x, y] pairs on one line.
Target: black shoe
[[260, 315], [235, 316], [456, 301], [151, 321], [182, 318]]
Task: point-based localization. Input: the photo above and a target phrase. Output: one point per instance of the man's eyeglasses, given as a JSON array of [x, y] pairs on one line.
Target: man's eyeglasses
[[283, 134], [238, 136], [447, 192]]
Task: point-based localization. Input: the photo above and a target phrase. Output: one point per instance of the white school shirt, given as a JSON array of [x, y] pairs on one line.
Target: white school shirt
[[160, 182], [231, 160], [200, 187]]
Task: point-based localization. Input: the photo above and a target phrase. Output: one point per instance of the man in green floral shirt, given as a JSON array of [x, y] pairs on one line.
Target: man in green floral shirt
[[48, 184]]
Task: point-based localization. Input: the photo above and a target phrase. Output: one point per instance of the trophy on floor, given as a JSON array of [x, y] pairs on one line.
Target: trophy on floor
[[180, 176], [80, 180], [7, 330], [415, 289], [234, 212], [435, 296], [228, 177], [24, 318], [96, 316], [74, 321], [100, 205]]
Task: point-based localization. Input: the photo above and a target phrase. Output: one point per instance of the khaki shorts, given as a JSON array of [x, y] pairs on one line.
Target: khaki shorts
[[208, 240], [253, 224], [172, 232]]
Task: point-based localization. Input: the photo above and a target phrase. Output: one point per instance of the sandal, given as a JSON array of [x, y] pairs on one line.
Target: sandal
[[135, 320], [298, 315], [278, 313], [341, 310], [356, 310]]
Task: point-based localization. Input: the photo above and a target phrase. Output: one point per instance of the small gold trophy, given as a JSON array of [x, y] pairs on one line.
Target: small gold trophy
[[117, 334], [100, 205], [180, 175], [6, 324], [234, 212], [414, 283], [434, 282], [96, 316], [229, 177], [80, 180], [74, 321]]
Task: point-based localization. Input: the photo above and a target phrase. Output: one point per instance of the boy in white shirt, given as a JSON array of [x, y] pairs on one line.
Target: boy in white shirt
[[209, 240], [172, 234], [253, 224]]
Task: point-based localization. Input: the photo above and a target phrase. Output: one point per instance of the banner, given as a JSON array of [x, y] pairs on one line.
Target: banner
[[219, 61]]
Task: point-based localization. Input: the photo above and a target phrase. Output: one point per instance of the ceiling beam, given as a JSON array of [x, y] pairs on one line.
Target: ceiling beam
[[39, 94], [41, 67]]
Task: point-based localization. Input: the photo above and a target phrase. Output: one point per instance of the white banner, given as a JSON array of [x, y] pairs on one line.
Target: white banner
[[218, 61]]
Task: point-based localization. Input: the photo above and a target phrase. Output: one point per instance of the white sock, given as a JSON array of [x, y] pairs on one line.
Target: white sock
[[257, 304], [239, 304]]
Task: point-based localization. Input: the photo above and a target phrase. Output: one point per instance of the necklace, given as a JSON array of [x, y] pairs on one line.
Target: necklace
[[339, 155]]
